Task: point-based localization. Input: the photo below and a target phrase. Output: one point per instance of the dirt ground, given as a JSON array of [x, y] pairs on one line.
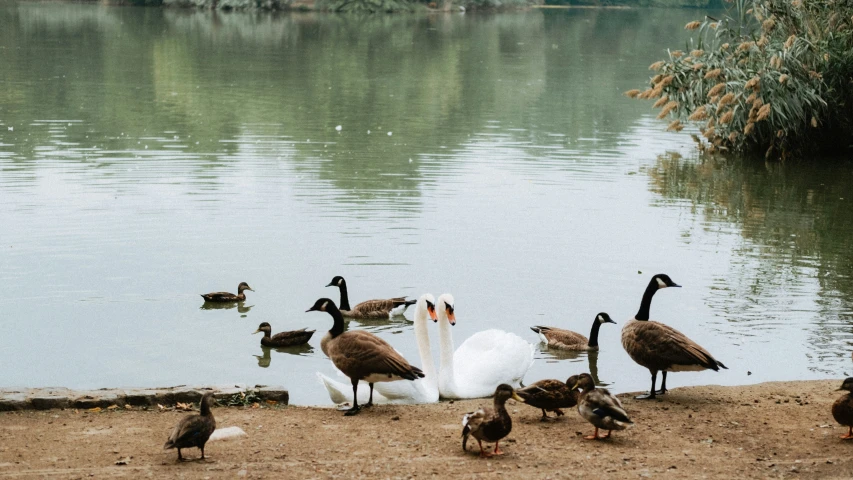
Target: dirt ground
[[767, 430]]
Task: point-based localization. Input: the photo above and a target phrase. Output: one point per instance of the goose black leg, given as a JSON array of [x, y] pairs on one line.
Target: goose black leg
[[651, 394], [355, 408], [370, 400], [662, 385]]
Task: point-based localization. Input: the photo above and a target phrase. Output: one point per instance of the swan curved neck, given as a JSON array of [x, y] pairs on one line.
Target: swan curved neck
[[424, 348], [646, 303], [446, 359], [344, 297], [338, 327], [593, 333]]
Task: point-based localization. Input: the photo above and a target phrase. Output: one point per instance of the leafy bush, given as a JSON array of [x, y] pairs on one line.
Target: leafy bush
[[775, 78]]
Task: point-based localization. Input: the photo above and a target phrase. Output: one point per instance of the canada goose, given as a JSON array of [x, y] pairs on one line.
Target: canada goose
[[193, 430], [550, 395], [490, 423], [599, 407], [569, 340], [660, 347], [842, 409], [483, 361], [361, 355], [226, 296], [283, 339], [385, 308]]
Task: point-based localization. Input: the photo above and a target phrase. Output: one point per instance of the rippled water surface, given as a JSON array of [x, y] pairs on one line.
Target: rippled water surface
[[149, 155]]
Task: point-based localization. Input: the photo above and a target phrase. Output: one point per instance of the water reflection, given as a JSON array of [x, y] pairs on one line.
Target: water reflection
[[240, 306], [557, 355], [265, 359]]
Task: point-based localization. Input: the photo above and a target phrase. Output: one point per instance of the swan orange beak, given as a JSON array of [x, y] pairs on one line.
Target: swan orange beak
[[451, 317], [431, 311]]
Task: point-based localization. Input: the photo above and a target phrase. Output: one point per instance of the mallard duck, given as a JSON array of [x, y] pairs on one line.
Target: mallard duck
[[550, 395], [370, 308], [660, 347], [283, 339], [193, 430], [226, 296], [569, 340], [600, 408], [362, 355], [490, 423], [842, 409]]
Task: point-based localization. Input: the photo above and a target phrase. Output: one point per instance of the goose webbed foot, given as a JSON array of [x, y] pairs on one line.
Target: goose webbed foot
[[352, 411], [662, 391], [646, 396]]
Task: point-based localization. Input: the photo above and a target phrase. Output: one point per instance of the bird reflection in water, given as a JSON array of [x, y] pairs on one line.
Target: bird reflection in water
[[240, 306], [554, 355], [299, 350]]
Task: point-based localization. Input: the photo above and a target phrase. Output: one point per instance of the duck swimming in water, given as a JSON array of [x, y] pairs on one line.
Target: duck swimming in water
[[227, 296]]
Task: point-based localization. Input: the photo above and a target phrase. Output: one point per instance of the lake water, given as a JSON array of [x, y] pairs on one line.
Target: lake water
[[150, 155]]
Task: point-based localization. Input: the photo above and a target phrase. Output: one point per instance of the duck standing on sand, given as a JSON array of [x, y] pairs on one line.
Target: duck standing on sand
[[660, 347], [550, 395], [362, 355], [193, 430], [600, 408], [842, 409], [490, 423], [227, 296]]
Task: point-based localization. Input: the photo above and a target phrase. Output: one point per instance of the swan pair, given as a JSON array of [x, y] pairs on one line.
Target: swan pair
[[484, 361]]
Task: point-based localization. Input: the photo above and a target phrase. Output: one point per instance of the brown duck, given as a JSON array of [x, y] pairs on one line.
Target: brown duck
[[362, 355], [283, 339], [193, 430], [659, 347], [490, 423], [227, 296], [569, 340], [550, 395], [385, 308], [600, 408], [842, 409]]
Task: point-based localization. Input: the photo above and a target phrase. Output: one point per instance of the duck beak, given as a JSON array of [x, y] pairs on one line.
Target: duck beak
[[516, 397], [256, 331], [575, 386]]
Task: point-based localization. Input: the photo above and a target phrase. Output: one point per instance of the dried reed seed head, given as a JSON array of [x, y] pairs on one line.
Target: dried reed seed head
[[676, 54], [675, 125], [762, 41], [713, 73], [667, 80], [796, 3], [727, 117], [745, 46], [698, 114], [709, 133], [768, 24], [661, 101], [727, 99], [748, 128], [815, 75], [757, 103], [752, 83], [714, 99], [790, 41], [657, 78], [688, 60], [672, 105], [714, 25], [697, 53], [692, 25], [698, 66], [725, 46], [775, 62], [751, 98], [711, 123], [783, 78], [763, 112], [814, 122], [657, 65], [716, 89], [780, 133], [825, 57], [632, 93], [732, 136]]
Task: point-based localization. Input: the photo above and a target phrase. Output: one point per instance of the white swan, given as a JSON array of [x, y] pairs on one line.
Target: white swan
[[423, 390], [483, 361]]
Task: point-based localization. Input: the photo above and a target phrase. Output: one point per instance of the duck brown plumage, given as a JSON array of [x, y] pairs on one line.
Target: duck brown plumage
[[380, 308], [842, 409], [659, 347], [193, 430], [490, 423], [569, 340], [227, 296], [283, 339], [599, 407], [362, 355], [550, 395]]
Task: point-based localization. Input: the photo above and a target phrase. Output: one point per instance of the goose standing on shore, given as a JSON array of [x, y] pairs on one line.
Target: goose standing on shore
[[227, 296], [385, 308], [600, 408], [569, 340], [423, 390], [283, 339], [361, 355], [483, 361], [659, 347], [193, 430]]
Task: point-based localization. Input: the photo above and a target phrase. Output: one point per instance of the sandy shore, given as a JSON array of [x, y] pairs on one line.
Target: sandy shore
[[767, 430]]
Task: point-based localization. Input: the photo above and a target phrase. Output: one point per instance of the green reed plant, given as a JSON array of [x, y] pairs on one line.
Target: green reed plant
[[772, 76]]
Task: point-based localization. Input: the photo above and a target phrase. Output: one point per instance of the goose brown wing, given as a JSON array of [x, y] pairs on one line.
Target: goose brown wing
[[566, 337], [359, 353], [373, 308], [659, 346], [191, 431]]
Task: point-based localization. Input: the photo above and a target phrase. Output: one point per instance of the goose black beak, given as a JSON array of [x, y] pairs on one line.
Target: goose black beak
[[675, 285], [310, 309], [611, 321], [332, 284]]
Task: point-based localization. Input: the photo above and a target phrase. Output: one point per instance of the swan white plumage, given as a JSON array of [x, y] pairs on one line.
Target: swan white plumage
[[483, 361], [423, 390]]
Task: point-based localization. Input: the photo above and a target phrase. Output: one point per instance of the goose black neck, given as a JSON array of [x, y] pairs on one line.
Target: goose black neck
[[344, 296], [593, 333], [645, 305], [338, 327], [204, 407]]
